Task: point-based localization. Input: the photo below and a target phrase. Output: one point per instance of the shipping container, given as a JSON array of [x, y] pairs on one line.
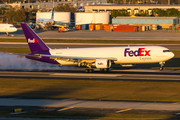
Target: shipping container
[[147, 27], [91, 27], [99, 27], [143, 28], [78, 27], [102, 27], [126, 28], [140, 28], [85, 27], [106, 27], [154, 27], [150, 27]]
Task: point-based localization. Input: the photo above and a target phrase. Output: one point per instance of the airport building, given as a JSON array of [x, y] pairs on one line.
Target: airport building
[[135, 8], [50, 5], [92, 18], [63, 17], [164, 22]]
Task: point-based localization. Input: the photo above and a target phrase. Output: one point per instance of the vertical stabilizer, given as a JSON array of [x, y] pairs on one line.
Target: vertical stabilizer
[[34, 41], [52, 16]]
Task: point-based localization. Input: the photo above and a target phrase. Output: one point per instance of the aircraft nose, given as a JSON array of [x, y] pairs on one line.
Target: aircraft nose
[[15, 29], [171, 55]]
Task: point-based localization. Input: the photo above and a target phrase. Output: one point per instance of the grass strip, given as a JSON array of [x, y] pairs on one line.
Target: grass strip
[[98, 41], [86, 115], [15, 50], [89, 89]]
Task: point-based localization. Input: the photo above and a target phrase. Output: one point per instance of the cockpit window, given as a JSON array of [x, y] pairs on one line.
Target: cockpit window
[[166, 51]]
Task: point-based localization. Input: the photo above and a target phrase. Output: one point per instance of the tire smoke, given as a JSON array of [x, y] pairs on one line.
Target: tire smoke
[[17, 62]]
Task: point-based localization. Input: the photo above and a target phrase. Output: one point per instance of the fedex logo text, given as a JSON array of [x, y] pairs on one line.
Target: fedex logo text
[[100, 63], [33, 40], [139, 52]]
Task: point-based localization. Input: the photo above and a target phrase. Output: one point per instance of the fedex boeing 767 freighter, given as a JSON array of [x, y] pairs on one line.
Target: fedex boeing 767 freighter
[[100, 57]]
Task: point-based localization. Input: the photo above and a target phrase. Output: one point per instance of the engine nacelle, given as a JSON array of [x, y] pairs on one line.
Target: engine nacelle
[[102, 63]]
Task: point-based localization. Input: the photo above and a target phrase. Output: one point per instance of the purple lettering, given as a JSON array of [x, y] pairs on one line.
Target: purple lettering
[[139, 52], [126, 51], [131, 53], [136, 53]]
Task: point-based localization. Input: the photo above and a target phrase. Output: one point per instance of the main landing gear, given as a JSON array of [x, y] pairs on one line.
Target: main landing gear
[[162, 65], [89, 70], [92, 70], [104, 69]]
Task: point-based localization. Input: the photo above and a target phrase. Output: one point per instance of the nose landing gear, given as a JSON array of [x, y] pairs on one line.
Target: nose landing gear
[[162, 65]]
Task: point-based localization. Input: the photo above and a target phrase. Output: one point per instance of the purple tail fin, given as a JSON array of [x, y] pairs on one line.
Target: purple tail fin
[[34, 41]]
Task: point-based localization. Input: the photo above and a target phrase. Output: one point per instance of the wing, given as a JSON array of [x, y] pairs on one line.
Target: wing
[[72, 58]]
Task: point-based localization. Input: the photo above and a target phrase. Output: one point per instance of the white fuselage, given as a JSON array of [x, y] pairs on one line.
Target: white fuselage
[[7, 28], [44, 21], [123, 55]]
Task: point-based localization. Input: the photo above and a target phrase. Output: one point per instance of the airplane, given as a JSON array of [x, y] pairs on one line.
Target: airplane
[[44, 22], [4, 27], [100, 57]]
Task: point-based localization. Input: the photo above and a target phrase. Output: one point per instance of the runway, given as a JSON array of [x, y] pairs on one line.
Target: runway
[[100, 35], [70, 103], [116, 75], [78, 73]]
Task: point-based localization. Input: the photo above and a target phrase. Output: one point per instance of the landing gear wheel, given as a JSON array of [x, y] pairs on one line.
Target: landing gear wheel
[[89, 70], [104, 69], [161, 68], [86, 70]]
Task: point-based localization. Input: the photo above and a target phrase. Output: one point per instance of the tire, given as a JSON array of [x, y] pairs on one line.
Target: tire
[[86, 70], [106, 69], [161, 68], [90, 70]]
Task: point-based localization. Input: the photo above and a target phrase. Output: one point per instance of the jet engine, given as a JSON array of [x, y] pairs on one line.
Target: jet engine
[[102, 63]]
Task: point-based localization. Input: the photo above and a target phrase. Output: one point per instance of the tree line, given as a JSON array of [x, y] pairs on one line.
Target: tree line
[[155, 12], [16, 14], [144, 1]]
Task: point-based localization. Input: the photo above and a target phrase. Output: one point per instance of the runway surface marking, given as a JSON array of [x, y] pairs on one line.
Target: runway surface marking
[[135, 70], [177, 113], [65, 108], [114, 75], [124, 110], [83, 74], [17, 113], [88, 104], [161, 76]]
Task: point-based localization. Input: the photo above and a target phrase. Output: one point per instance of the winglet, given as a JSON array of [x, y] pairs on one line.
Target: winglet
[[34, 41]]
